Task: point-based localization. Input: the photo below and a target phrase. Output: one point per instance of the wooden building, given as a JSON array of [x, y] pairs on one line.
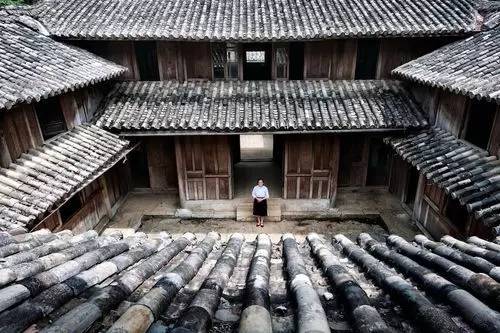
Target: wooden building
[[456, 187], [314, 76], [56, 170]]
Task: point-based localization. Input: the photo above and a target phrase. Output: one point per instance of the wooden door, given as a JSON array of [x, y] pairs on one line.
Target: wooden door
[[205, 168], [311, 163]]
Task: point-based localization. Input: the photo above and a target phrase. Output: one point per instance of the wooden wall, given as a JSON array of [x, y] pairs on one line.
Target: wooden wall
[[79, 107], [161, 163], [494, 145], [311, 166], [336, 59], [204, 167], [99, 202], [354, 152], [19, 132]]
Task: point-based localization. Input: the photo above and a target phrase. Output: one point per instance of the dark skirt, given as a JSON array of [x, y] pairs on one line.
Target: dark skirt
[[259, 208]]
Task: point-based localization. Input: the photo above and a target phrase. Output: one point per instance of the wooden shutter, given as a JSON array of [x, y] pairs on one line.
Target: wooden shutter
[[206, 167], [310, 167]]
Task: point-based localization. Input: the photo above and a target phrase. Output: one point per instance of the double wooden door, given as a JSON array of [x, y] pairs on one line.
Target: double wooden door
[[310, 168], [205, 167]]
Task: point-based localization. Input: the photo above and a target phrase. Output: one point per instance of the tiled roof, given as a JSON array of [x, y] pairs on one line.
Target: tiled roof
[[469, 67], [255, 20], [465, 172], [34, 66], [157, 283], [45, 177], [241, 106]]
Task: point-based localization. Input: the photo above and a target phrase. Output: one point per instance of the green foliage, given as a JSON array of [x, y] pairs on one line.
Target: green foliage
[[11, 2]]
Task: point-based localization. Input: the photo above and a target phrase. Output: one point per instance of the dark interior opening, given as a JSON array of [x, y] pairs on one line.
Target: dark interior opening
[[367, 59], [378, 163], [50, 117], [147, 60], [70, 208], [257, 156], [457, 214], [411, 187], [257, 61], [139, 168], [480, 122], [296, 61]]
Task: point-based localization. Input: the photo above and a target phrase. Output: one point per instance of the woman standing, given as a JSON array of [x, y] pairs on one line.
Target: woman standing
[[260, 194]]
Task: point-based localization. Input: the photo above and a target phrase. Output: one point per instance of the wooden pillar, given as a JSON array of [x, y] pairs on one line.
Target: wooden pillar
[[335, 170], [180, 171]]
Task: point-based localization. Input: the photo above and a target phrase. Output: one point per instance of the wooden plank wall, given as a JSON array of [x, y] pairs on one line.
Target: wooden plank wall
[[354, 152], [205, 167], [100, 200], [123, 53], [169, 60], [336, 59], [311, 164], [79, 107], [19, 132], [161, 163], [494, 145], [450, 112], [197, 60]]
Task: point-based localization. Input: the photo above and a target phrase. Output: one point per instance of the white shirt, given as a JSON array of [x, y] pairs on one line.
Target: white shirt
[[260, 192]]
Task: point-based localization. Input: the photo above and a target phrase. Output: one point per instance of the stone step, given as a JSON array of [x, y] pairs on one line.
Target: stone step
[[244, 212]]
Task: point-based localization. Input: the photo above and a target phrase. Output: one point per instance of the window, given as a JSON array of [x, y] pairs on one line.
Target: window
[[457, 214], [147, 60], [281, 62], [296, 59], [232, 61], [479, 123], [70, 208], [50, 117], [257, 61], [367, 59], [219, 60], [255, 57], [225, 61]]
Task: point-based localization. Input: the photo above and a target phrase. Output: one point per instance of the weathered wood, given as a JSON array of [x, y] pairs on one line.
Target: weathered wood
[[161, 164], [123, 53], [310, 167], [451, 111], [353, 167], [21, 132], [365, 317], [419, 307], [206, 167], [317, 60], [197, 318], [79, 319], [479, 284], [311, 316], [478, 314], [197, 60], [168, 66], [151, 305], [256, 316]]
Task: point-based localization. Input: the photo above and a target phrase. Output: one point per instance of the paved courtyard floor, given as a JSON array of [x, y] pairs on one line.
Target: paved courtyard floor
[[356, 211]]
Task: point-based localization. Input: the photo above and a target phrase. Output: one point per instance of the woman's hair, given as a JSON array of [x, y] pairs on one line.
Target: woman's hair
[[259, 179]]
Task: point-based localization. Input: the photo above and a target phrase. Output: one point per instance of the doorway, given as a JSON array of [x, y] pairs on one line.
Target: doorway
[[257, 156], [257, 61]]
